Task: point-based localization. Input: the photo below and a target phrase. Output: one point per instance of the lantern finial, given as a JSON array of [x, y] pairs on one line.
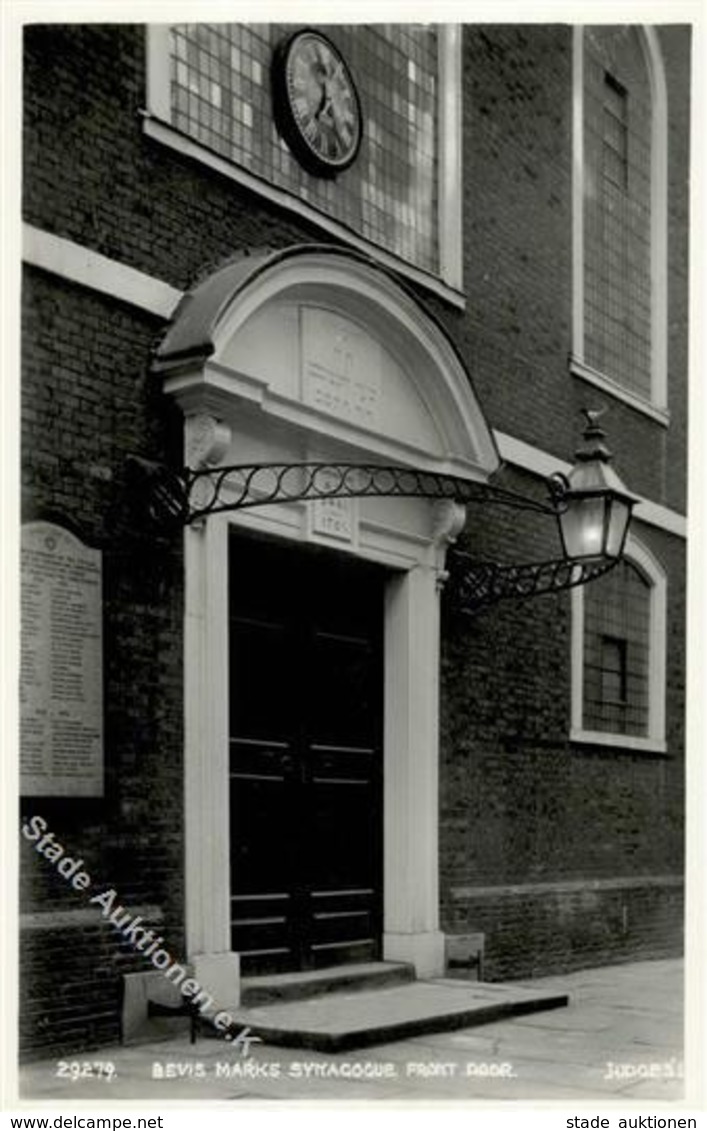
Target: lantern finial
[[593, 415], [594, 435]]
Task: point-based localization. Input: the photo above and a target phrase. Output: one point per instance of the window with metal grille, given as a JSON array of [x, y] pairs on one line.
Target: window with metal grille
[[618, 209], [613, 670], [616, 652], [615, 152], [211, 84]]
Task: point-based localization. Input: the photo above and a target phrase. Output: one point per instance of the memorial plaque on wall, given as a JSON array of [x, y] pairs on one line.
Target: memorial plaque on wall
[[61, 668]]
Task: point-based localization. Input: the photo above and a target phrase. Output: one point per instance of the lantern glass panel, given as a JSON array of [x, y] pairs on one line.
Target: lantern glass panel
[[583, 527], [619, 513]]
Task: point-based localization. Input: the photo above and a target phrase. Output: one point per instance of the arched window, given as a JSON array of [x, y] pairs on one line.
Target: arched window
[[620, 214], [618, 652]]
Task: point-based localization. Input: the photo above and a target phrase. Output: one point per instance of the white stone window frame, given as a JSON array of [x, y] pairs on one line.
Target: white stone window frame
[[654, 741], [657, 406], [448, 282]]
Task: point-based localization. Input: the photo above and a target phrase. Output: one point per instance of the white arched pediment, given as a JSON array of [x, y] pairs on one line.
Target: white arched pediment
[[325, 341]]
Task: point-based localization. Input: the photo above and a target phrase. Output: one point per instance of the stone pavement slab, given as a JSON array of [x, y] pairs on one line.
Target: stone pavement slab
[[622, 1024]]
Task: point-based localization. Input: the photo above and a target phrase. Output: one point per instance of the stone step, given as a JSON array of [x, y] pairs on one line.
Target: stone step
[[266, 989], [337, 1021]]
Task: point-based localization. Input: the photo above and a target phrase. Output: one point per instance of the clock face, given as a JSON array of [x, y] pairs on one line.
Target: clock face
[[316, 103]]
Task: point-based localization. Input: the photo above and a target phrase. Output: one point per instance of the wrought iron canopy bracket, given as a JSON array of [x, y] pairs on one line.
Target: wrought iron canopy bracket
[[191, 495], [474, 584]]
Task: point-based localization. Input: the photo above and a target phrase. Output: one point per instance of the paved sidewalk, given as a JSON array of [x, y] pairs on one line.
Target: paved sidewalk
[[619, 1039]]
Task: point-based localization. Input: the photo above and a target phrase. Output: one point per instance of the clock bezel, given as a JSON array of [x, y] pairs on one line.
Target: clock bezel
[[287, 120]]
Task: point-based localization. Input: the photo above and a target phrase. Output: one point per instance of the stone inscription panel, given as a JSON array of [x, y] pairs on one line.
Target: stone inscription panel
[[334, 518], [341, 368], [61, 667]]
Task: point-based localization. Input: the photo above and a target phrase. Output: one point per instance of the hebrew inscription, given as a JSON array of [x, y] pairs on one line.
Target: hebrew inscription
[[341, 368], [61, 667]]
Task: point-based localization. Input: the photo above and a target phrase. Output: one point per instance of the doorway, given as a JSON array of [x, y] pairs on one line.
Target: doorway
[[305, 756]]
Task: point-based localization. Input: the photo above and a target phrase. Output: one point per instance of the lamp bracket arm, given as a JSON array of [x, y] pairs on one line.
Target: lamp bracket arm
[[475, 584]]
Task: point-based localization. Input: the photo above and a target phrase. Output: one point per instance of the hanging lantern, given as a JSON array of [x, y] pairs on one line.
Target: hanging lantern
[[594, 505]]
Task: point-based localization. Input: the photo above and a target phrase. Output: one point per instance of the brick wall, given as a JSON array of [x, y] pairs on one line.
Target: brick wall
[[522, 806], [91, 175], [531, 932], [88, 403]]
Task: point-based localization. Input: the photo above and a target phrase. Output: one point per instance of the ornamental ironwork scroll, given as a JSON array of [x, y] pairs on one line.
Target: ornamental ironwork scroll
[[473, 584], [190, 496]]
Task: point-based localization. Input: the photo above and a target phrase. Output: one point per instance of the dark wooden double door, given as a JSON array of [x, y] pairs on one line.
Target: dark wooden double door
[[306, 692]]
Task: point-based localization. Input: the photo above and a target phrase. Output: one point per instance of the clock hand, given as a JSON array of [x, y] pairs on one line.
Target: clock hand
[[325, 101], [339, 121], [328, 108]]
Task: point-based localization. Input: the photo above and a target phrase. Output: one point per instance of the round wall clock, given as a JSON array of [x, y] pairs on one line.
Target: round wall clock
[[317, 109]]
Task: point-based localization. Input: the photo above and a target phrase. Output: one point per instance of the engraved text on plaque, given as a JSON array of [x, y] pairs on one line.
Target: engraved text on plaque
[[61, 670]]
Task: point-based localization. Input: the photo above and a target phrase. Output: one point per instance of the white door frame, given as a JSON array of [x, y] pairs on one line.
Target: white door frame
[[411, 724]]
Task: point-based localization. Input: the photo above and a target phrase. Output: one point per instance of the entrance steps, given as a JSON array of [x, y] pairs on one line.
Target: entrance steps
[[353, 1007], [268, 989]]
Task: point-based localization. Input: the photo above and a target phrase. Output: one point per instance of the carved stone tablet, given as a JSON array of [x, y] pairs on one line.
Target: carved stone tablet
[[341, 368], [61, 669]]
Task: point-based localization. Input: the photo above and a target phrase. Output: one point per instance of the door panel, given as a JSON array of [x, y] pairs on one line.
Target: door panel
[[305, 757]]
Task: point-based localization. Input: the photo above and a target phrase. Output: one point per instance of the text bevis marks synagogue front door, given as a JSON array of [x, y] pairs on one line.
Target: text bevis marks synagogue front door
[[306, 698]]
